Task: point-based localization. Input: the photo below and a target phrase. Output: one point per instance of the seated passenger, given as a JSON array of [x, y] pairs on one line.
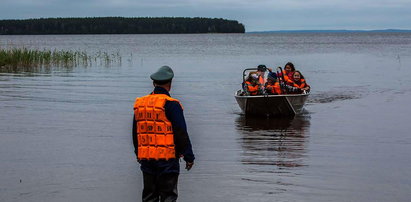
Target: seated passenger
[[288, 72], [261, 69], [299, 82], [272, 87], [252, 86]]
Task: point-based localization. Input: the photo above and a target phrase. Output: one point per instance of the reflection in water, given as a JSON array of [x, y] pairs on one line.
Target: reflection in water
[[279, 142]]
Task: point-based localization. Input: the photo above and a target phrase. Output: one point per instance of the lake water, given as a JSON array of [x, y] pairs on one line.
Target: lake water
[[66, 133]]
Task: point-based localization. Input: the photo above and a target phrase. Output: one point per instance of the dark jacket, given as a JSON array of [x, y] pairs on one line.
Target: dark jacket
[[175, 115]]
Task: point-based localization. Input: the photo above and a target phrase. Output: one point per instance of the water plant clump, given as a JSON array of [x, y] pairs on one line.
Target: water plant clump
[[23, 59]]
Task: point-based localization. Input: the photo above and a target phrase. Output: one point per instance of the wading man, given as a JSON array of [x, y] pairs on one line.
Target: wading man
[[160, 138]]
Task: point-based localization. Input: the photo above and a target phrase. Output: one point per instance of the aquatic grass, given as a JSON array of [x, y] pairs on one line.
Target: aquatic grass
[[24, 59]]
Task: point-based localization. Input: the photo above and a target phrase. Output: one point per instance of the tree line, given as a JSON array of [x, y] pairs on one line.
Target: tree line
[[120, 25]]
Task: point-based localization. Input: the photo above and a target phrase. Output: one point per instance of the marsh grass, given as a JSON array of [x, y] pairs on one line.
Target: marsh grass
[[23, 59]]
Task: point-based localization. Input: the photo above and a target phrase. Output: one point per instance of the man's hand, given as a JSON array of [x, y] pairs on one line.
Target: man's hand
[[189, 165]]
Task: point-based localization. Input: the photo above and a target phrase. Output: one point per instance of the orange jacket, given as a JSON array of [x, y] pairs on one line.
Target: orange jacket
[[252, 89], [154, 130]]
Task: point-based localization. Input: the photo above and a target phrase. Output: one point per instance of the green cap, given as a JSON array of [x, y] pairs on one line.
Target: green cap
[[165, 73]]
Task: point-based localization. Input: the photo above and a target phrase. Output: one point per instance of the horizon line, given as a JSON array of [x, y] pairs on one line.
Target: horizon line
[[330, 30]]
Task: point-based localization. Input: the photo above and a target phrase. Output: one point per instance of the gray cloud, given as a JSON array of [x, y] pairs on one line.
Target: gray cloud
[[255, 15]]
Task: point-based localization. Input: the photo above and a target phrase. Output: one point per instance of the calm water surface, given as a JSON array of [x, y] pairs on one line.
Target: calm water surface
[[66, 133]]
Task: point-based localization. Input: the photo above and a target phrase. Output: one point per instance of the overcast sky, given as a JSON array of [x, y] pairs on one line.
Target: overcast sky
[[256, 15]]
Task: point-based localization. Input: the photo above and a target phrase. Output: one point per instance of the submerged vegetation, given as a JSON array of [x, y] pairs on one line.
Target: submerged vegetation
[[23, 59], [120, 25]]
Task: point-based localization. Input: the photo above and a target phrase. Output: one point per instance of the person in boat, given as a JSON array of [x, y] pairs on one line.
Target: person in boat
[[160, 139], [288, 72], [261, 72], [272, 87], [299, 83], [261, 69], [252, 85]]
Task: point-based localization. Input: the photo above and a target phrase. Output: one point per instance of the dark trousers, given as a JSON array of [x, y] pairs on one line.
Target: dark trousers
[[161, 187]]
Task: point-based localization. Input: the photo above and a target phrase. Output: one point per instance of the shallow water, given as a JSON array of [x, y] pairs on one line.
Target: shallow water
[[65, 133]]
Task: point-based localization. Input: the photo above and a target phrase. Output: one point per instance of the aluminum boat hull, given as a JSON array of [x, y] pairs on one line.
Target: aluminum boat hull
[[271, 105]]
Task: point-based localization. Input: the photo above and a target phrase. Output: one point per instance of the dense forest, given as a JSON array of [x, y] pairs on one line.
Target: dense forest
[[120, 25]]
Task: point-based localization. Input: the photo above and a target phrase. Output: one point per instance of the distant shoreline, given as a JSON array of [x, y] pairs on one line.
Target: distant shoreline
[[333, 31], [119, 25]]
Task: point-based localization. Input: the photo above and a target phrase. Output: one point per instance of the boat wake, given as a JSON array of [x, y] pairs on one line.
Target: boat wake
[[327, 97]]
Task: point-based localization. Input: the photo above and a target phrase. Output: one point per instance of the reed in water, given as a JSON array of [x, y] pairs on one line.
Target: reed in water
[[20, 59]]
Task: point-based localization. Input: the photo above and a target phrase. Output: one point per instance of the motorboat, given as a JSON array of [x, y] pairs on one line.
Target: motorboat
[[284, 105]]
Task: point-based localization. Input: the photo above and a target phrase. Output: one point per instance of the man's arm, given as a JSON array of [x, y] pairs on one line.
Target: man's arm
[[175, 115], [134, 135]]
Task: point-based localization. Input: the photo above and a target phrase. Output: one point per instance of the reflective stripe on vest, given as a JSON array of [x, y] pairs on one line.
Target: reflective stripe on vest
[[154, 130]]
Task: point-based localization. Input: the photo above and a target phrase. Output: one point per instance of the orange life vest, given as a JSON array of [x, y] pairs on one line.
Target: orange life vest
[[154, 130], [261, 80], [288, 77], [274, 88], [302, 84], [253, 90]]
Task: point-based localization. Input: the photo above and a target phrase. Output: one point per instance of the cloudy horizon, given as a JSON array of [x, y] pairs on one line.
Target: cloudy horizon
[[261, 15]]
